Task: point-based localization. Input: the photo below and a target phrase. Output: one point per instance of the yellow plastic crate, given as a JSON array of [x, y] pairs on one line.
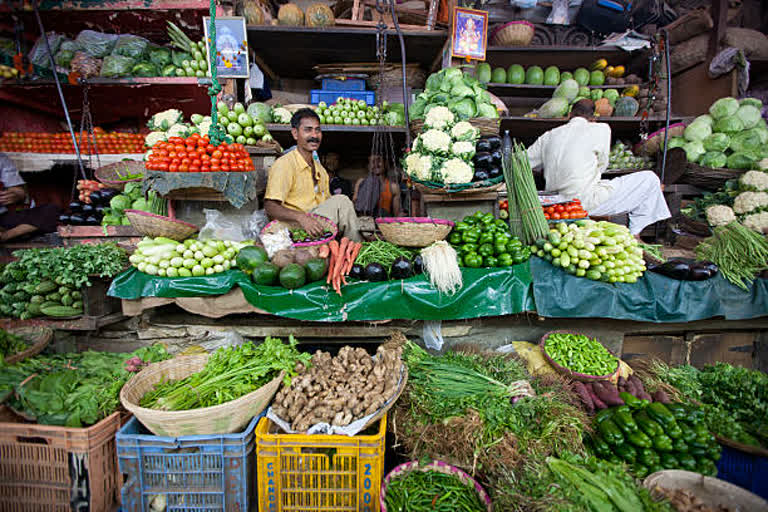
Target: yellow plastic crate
[[319, 473]]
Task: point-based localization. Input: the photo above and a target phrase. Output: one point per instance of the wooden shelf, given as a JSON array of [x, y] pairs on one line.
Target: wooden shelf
[[539, 91], [527, 128], [301, 48], [38, 162], [564, 57]]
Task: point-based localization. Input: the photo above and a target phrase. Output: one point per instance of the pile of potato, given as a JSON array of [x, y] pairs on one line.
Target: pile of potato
[[339, 390]]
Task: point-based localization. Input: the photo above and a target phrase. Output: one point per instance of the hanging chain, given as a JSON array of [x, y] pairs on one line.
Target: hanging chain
[[654, 70], [87, 128], [215, 133]]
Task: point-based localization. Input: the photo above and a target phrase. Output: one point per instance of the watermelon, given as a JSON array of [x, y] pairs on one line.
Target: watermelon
[[566, 75], [499, 76], [516, 74], [483, 72], [534, 75], [552, 76], [250, 257], [597, 78], [293, 276], [316, 269], [581, 76], [265, 274]]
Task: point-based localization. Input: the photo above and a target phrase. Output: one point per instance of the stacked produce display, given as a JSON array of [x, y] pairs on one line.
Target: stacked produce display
[[165, 257], [482, 241], [622, 157], [460, 92], [106, 142], [598, 74], [607, 103]]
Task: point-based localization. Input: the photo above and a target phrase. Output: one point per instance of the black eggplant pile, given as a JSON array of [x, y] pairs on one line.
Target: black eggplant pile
[[487, 158], [683, 270], [402, 268], [85, 214]]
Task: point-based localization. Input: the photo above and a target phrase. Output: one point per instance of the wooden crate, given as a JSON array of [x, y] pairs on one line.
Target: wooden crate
[[124, 236], [457, 206]]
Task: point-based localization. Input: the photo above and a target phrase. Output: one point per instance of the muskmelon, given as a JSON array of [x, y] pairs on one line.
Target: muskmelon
[[319, 15], [290, 14], [254, 15]]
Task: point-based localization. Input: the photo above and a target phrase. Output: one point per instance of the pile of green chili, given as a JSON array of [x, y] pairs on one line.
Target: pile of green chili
[[432, 491], [580, 353]]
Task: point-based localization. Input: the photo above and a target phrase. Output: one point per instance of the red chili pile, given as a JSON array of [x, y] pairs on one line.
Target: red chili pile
[[197, 154]]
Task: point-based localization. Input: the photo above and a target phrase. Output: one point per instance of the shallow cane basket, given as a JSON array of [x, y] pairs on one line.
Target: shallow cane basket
[[152, 225], [513, 33], [413, 231], [37, 339], [112, 175], [277, 225], [568, 372]]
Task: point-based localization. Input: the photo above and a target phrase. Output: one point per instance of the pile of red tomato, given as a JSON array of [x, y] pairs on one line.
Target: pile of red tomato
[[40, 142], [571, 210], [197, 154]]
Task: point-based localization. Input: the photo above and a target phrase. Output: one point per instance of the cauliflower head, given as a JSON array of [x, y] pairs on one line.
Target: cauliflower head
[[747, 202], [281, 115], [178, 130], [464, 131], [412, 164], [165, 119], [463, 149], [755, 180], [720, 215], [439, 117], [153, 138], [435, 141], [456, 170], [757, 222], [425, 168]]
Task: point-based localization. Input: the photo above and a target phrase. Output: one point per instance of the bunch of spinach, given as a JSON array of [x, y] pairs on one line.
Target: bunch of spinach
[[73, 390], [10, 344], [230, 372]]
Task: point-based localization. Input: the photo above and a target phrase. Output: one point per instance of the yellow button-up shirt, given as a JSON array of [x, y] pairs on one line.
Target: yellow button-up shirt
[[290, 182]]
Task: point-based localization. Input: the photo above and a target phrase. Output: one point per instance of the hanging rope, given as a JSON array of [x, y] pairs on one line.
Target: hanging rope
[[215, 133]]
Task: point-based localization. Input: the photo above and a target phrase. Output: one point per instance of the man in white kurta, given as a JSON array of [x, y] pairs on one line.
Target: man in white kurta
[[575, 155]]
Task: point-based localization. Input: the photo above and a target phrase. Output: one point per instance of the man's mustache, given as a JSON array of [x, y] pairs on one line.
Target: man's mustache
[[316, 141]]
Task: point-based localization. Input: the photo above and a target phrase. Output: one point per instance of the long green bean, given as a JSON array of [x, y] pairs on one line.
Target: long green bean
[[432, 491], [739, 252], [381, 252]]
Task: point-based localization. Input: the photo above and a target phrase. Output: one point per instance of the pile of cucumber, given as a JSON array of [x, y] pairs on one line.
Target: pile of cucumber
[[46, 298]]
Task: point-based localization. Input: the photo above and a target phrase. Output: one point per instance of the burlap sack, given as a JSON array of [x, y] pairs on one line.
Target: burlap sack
[[753, 42]]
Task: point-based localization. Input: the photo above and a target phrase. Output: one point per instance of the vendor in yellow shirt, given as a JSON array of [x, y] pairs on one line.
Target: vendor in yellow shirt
[[298, 184]]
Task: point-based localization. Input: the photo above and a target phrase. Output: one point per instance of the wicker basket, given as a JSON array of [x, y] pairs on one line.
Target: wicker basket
[[570, 373], [485, 125], [439, 467], [467, 189], [414, 231], [277, 225], [712, 491], [393, 77], [694, 227], [513, 33], [655, 141], [37, 338], [111, 174], [151, 225], [220, 419], [707, 177]]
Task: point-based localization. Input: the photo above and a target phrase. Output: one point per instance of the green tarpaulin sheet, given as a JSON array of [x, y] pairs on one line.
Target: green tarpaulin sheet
[[654, 298], [486, 292]]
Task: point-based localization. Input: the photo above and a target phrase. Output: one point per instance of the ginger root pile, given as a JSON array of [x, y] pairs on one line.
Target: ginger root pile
[[338, 390]]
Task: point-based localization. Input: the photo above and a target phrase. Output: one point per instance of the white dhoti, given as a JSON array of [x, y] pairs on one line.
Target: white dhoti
[[639, 195]]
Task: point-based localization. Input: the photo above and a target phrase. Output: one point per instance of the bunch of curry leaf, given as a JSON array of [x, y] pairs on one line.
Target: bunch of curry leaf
[[231, 372], [71, 266]]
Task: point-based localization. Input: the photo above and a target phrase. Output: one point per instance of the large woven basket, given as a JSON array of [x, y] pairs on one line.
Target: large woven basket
[[712, 491], [439, 467], [413, 231], [570, 373], [37, 339], [707, 177], [485, 125], [277, 225], [392, 76], [655, 141], [513, 33], [149, 224], [220, 419], [112, 175], [693, 226]]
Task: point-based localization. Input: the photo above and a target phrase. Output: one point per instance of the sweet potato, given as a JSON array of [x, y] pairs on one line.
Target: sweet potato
[[606, 392], [581, 391], [640, 391], [599, 404], [661, 396]]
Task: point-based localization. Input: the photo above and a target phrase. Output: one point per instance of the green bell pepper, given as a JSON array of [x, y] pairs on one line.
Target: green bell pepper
[[490, 261], [626, 451], [485, 250], [466, 248], [473, 260], [500, 248], [640, 470], [501, 225], [455, 238], [648, 456], [487, 218], [485, 238], [470, 235], [505, 260], [611, 433], [462, 226], [639, 439], [662, 443]]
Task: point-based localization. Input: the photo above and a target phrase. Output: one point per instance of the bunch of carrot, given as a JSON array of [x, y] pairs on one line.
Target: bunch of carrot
[[343, 255]]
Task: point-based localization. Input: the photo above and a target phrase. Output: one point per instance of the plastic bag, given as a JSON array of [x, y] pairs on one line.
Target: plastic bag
[[256, 223], [115, 66], [559, 14], [39, 53], [145, 69], [131, 46], [64, 58], [160, 56], [96, 44], [219, 226], [70, 46]]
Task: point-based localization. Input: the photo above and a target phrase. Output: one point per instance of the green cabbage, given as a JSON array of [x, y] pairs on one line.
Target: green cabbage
[[693, 150], [749, 115], [460, 90], [746, 141], [160, 57], [731, 124], [556, 107], [569, 89], [487, 110], [416, 110], [718, 142], [741, 161], [697, 130], [713, 159], [676, 142], [704, 118], [724, 107], [260, 111], [761, 132], [464, 108], [751, 101], [120, 202]]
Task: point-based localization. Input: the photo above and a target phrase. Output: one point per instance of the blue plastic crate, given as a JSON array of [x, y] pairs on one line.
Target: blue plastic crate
[[318, 95], [347, 84], [745, 470], [195, 473]]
